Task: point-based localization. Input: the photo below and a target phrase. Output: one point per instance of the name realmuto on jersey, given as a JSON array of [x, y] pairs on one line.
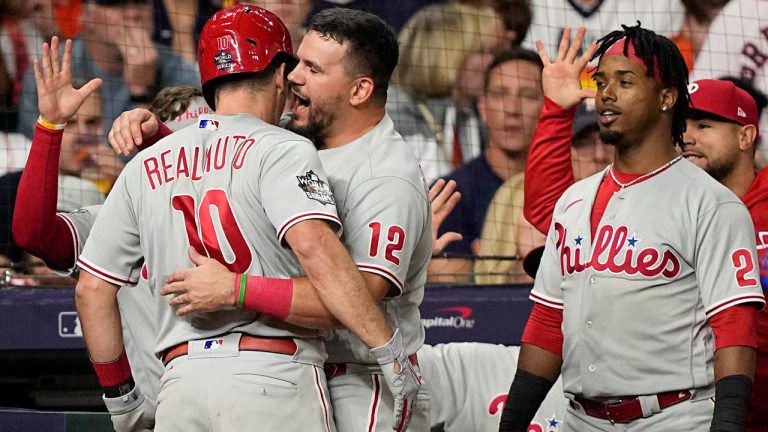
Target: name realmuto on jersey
[[614, 252], [173, 164]]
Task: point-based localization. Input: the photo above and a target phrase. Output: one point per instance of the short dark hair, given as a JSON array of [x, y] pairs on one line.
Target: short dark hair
[[658, 54], [372, 50], [508, 56]]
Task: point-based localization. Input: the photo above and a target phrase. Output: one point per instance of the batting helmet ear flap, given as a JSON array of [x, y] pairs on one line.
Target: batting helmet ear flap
[[241, 39]]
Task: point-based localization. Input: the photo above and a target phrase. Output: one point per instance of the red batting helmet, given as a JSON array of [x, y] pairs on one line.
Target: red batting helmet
[[240, 39]]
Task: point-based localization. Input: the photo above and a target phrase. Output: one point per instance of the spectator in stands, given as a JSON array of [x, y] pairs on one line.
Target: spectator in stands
[[507, 233], [433, 46], [116, 46], [396, 14], [510, 106], [470, 132], [699, 15], [24, 25]]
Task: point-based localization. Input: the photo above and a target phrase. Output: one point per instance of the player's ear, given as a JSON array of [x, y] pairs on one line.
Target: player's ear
[[668, 98], [747, 136], [280, 79], [361, 91]]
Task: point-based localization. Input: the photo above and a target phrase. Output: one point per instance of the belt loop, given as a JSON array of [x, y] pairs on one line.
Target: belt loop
[[649, 405]]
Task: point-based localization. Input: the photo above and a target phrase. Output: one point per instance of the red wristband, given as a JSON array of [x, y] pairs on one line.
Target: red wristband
[[268, 296], [113, 373]]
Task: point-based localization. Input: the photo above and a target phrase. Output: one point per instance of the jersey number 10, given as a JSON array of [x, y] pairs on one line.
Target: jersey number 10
[[201, 228]]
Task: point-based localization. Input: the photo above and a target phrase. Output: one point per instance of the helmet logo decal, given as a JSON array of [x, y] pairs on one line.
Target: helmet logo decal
[[223, 60]]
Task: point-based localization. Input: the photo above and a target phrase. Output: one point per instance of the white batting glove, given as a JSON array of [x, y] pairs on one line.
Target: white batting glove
[[402, 377], [132, 412]]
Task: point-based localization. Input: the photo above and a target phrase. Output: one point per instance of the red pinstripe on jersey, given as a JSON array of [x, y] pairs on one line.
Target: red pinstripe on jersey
[[323, 400], [75, 234], [546, 301], [731, 301], [104, 274], [373, 412], [301, 217], [381, 271]]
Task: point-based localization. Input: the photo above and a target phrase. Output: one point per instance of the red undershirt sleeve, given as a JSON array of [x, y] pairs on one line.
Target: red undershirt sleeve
[[548, 169], [735, 326], [162, 132], [36, 228], [544, 329]]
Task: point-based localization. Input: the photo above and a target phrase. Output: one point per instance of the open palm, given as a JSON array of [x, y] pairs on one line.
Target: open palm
[[561, 78], [57, 100]]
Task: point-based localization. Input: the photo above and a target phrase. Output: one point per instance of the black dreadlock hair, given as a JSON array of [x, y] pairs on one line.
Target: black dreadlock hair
[[657, 52]]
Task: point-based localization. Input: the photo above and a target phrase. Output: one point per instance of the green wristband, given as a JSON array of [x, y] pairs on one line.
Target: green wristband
[[241, 297]]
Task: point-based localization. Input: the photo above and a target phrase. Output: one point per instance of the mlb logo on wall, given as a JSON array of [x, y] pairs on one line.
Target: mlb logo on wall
[[208, 124], [69, 325], [213, 344]]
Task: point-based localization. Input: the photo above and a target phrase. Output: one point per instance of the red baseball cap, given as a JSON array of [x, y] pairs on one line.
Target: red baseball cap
[[723, 99]]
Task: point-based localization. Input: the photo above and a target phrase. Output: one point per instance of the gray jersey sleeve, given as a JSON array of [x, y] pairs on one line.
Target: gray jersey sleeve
[[384, 219], [726, 259], [112, 251], [79, 223], [294, 187], [546, 288]]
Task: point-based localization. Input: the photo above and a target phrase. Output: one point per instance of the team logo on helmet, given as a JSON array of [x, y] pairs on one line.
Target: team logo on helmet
[[223, 60], [316, 188]]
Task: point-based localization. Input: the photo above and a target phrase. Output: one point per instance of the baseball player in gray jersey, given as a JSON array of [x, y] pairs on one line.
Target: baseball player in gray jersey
[[646, 293], [232, 369], [380, 196], [468, 383]]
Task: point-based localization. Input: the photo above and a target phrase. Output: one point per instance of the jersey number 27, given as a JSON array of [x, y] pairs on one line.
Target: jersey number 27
[[202, 229]]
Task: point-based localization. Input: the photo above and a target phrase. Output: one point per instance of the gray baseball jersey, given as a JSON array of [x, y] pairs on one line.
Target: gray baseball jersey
[[669, 253], [222, 185], [136, 309], [383, 202], [469, 383]]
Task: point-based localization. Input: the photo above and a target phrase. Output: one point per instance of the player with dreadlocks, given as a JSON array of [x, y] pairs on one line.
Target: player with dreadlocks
[[646, 293]]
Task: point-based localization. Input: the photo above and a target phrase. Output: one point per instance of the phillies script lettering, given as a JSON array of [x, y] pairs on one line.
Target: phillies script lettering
[[173, 164], [613, 251]]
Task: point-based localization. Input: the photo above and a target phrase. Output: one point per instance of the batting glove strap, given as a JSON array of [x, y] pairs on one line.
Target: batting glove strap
[[732, 395], [405, 384], [526, 393]]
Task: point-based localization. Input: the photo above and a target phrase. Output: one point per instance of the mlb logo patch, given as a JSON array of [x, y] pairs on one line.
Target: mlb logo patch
[[208, 124], [69, 325], [213, 344]]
